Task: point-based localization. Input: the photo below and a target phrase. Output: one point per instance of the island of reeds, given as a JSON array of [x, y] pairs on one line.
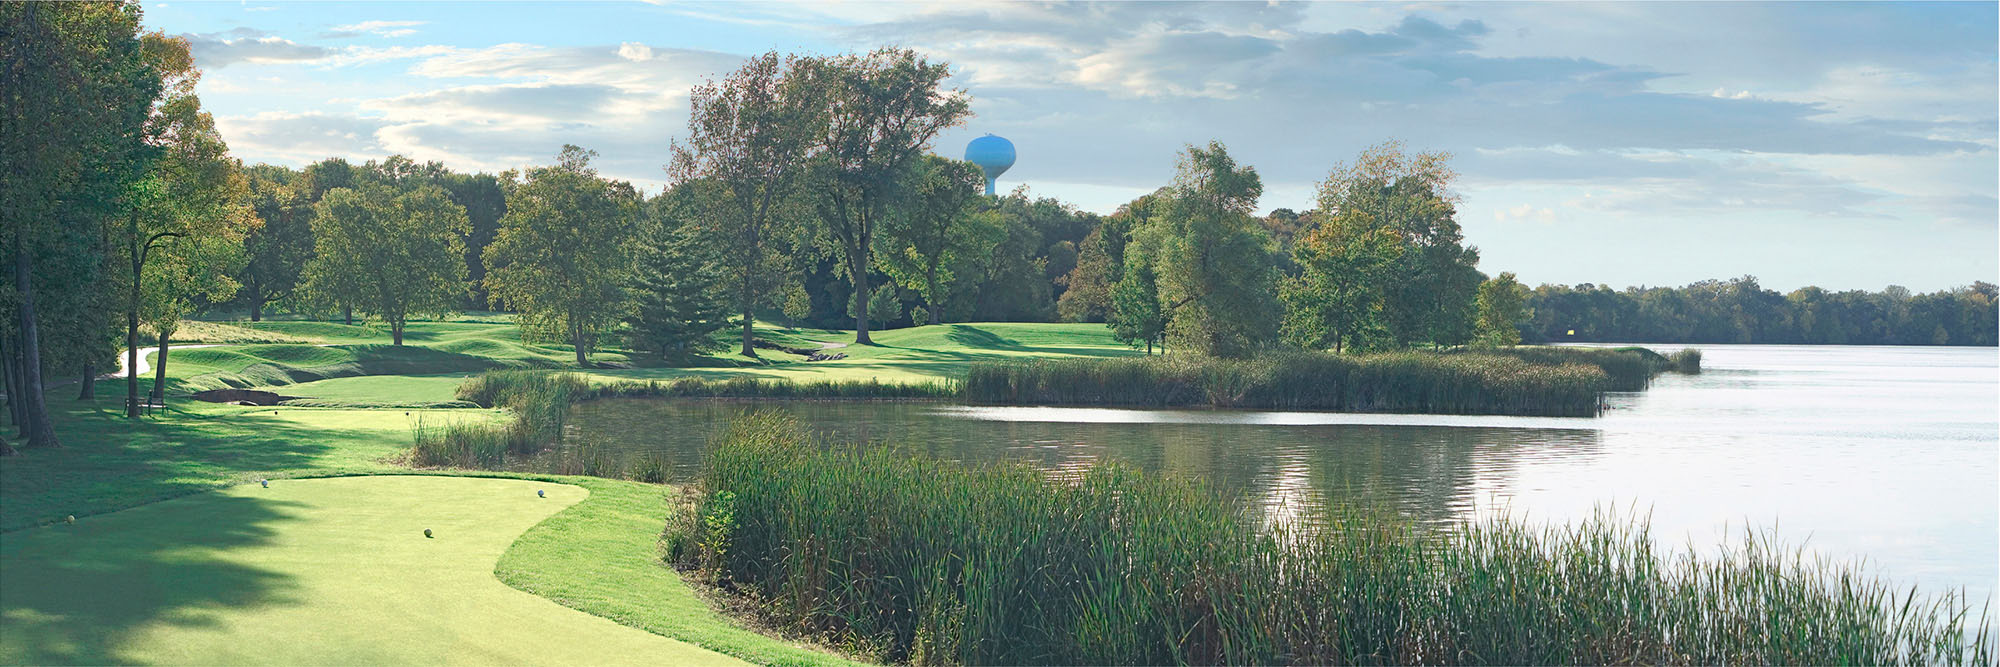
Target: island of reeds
[[908, 559]]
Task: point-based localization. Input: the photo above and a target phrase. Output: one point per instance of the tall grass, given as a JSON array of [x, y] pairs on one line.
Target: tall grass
[[1626, 368], [1463, 383], [1687, 360], [533, 438], [910, 559]]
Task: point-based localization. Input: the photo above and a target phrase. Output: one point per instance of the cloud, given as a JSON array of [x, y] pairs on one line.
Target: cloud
[[247, 45], [377, 28], [635, 52]]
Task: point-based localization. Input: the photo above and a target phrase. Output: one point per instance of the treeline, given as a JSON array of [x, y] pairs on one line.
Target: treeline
[[1741, 311]]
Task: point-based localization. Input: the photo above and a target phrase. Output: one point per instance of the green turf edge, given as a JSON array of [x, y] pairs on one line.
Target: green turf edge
[[624, 578]]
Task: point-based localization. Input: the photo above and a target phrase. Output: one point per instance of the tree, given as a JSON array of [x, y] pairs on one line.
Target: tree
[[278, 250], [1502, 309], [883, 111], [1134, 314], [750, 137], [400, 254], [563, 255], [190, 214], [1336, 299], [1213, 269], [933, 225], [75, 87], [678, 293], [1431, 297], [883, 306]]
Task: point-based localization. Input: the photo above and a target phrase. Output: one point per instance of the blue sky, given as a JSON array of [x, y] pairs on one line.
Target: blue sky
[[1843, 145]]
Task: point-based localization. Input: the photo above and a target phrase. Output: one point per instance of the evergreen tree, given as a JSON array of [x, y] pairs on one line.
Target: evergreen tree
[[678, 295]]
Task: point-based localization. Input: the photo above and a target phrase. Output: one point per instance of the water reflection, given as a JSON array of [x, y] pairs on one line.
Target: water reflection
[[1284, 464]]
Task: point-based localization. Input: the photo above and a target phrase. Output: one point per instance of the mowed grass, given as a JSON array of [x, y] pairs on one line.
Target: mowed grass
[[108, 463], [915, 354], [323, 571]]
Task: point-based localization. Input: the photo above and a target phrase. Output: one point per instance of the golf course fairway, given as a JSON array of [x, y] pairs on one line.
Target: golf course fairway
[[320, 571]]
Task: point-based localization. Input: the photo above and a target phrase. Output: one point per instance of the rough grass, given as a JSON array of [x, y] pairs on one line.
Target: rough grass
[[1409, 382], [913, 559], [305, 571]]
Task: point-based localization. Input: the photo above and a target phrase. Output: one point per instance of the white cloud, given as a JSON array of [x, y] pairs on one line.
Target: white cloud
[[635, 52], [377, 28]]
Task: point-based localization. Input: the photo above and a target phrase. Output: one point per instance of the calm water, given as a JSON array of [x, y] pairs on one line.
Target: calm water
[[1877, 451]]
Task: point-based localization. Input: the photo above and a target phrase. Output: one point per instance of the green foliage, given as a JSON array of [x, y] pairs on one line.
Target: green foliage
[[748, 141], [1687, 360], [883, 110], [1502, 310], [1429, 297], [1135, 315], [396, 255], [677, 294], [563, 254], [1742, 311], [1336, 300], [1213, 265], [279, 249], [1407, 382], [883, 307], [916, 560], [934, 227]]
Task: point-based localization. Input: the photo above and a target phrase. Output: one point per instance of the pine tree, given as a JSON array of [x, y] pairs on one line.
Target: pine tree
[[678, 295]]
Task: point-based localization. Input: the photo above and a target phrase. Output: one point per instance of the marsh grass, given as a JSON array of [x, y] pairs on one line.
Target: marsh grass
[[911, 559], [1687, 360], [1458, 383], [534, 438]]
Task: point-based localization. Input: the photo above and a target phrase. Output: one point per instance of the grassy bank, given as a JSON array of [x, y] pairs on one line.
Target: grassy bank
[[1465, 383], [916, 560]]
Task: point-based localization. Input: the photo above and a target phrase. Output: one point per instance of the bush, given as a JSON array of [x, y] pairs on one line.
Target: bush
[[912, 559], [1688, 360]]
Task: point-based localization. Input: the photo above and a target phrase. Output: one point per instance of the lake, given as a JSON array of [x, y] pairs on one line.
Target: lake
[[1883, 452]]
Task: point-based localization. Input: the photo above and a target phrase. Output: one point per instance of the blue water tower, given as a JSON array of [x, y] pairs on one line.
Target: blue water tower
[[993, 155]]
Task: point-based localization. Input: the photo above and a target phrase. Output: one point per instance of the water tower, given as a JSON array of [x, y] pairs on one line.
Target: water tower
[[993, 155]]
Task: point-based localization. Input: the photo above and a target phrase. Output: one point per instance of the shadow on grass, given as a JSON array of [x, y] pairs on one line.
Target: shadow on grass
[[76, 594], [109, 463]]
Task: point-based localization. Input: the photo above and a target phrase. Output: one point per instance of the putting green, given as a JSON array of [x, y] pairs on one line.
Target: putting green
[[307, 571]]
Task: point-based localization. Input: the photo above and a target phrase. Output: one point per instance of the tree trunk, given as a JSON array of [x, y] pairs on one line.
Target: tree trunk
[[256, 309], [749, 318], [132, 359], [10, 381], [40, 432], [159, 396], [396, 332], [576, 343], [347, 315], [89, 382], [5, 449], [858, 271]]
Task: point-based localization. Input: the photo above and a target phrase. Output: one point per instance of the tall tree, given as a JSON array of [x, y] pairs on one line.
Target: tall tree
[[750, 136], [678, 293], [564, 251], [191, 213], [1345, 264], [1502, 309], [1134, 314], [883, 111], [932, 225], [75, 86], [1432, 297], [1214, 268], [399, 255], [278, 250]]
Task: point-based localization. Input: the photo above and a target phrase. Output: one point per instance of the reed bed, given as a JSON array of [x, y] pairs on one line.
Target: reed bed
[[1626, 368], [1687, 360], [908, 559], [534, 438], [1459, 383]]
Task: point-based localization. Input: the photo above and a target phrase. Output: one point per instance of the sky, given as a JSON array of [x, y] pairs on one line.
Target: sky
[[1850, 146]]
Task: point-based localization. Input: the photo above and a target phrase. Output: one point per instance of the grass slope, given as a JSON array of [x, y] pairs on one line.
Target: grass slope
[[916, 354], [624, 579], [306, 571]]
